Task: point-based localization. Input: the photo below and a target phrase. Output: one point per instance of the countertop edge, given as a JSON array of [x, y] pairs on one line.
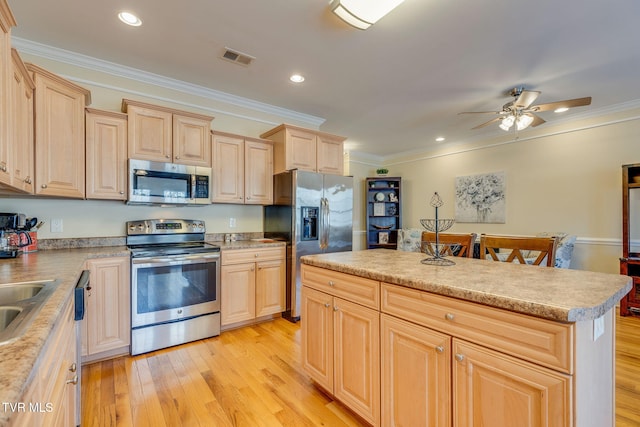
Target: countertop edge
[[529, 307]]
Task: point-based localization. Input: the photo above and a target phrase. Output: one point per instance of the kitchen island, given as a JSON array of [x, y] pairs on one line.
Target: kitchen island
[[476, 343]]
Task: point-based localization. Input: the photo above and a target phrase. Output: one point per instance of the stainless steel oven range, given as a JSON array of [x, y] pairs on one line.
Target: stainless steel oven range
[[175, 283]]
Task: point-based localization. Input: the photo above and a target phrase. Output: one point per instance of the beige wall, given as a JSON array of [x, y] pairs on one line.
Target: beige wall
[[557, 179]]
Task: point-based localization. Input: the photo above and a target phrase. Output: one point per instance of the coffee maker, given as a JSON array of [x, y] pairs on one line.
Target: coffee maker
[[13, 234]]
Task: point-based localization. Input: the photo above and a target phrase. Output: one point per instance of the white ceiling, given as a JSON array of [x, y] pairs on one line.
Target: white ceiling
[[392, 88]]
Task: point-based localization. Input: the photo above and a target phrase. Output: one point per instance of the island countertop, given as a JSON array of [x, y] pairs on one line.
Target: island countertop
[[551, 293]]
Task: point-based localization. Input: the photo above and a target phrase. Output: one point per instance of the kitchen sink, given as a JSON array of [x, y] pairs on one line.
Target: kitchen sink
[[14, 292], [19, 305], [7, 315]]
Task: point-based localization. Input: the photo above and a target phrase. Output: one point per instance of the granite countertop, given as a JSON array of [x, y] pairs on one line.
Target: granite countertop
[[552, 293], [18, 357]]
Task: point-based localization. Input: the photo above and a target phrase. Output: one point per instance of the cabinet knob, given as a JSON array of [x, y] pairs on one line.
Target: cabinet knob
[[44, 186], [3, 167], [440, 349], [73, 367], [168, 157], [177, 157], [449, 316], [257, 255], [331, 283], [326, 304], [335, 308], [73, 380], [121, 192], [28, 180], [252, 268], [459, 357]]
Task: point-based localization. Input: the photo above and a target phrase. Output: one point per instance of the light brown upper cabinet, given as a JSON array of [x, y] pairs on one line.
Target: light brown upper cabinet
[[59, 134], [305, 149], [21, 113], [242, 169], [106, 144], [162, 134], [6, 22]]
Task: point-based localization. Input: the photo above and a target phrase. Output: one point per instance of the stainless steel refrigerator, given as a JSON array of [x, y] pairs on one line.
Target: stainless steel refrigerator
[[313, 213]]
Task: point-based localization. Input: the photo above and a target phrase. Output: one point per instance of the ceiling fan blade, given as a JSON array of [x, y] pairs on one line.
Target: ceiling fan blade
[[537, 120], [482, 112], [568, 103], [526, 98], [497, 119]]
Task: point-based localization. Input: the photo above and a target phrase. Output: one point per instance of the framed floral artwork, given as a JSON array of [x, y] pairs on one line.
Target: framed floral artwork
[[481, 198]]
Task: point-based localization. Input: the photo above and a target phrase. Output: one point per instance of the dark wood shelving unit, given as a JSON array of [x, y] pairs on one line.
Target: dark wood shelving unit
[[384, 211], [630, 261]]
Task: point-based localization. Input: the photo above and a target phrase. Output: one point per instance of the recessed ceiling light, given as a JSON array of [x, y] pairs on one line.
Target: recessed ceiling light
[[130, 19], [440, 139], [561, 110], [297, 78]]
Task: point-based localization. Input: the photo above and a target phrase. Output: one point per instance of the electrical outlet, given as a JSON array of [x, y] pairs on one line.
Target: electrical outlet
[[598, 327], [56, 225], [232, 222]]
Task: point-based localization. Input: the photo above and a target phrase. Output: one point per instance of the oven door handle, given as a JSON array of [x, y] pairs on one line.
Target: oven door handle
[[159, 262]]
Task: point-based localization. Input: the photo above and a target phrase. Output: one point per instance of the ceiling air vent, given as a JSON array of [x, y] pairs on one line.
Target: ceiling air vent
[[237, 57]]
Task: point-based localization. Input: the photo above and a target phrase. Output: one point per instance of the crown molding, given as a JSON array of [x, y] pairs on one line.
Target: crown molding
[[117, 70]]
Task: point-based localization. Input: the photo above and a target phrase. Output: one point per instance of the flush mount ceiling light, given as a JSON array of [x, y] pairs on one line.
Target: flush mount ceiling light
[[130, 19], [362, 13]]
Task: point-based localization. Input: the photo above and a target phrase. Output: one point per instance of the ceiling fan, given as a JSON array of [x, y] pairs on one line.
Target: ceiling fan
[[521, 113]]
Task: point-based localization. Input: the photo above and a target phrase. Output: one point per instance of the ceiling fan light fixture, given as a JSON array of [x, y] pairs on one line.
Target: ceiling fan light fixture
[[507, 122], [524, 121], [362, 14]]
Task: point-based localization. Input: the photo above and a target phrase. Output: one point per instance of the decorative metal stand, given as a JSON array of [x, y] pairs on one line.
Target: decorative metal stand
[[438, 250]]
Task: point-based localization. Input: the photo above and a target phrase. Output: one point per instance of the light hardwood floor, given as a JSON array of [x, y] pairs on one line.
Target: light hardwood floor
[[252, 377]]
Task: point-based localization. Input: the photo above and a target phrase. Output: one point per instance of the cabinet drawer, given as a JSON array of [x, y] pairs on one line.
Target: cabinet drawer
[[541, 341], [353, 288], [240, 256]]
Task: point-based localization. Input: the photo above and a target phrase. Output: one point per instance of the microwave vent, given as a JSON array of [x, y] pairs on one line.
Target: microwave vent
[[237, 57]]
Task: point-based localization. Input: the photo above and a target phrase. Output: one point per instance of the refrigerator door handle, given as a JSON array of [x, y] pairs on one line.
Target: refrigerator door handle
[[324, 223]]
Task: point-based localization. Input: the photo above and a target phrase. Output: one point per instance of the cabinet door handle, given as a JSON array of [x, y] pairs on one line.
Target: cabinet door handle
[[449, 316], [440, 349], [459, 357], [73, 380]]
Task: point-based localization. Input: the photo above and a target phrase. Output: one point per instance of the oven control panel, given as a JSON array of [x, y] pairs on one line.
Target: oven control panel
[[165, 226]]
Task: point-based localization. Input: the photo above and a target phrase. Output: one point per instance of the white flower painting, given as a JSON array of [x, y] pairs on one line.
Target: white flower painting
[[480, 198]]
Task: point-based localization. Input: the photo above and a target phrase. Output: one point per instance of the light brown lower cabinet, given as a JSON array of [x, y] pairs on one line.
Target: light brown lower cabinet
[[341, 340], [441, 362], [50, 397], [106, 328], [252, 284]]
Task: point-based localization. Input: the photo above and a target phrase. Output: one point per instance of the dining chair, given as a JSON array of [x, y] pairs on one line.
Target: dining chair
[[457, 244], [524, 249]]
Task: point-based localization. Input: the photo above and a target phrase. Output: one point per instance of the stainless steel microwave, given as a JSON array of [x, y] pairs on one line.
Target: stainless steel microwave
[[161, 183]]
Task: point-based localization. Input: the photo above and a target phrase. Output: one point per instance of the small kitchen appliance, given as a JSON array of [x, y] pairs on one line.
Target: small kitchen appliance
[[13, 234]]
